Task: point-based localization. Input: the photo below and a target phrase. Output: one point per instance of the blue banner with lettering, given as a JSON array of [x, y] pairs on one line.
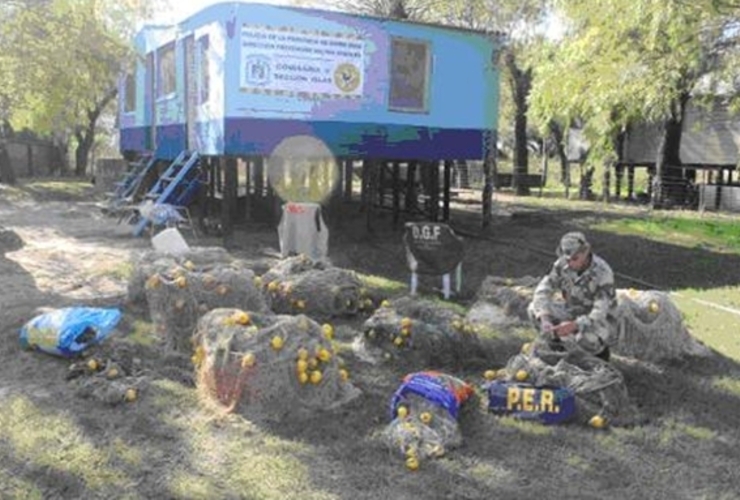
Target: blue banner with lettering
[[547, 405]]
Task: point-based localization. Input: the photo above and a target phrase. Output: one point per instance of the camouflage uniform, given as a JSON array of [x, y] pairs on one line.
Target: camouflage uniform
[[588, 297]]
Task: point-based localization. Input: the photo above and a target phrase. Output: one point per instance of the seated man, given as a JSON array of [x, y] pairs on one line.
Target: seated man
[[584, 316]]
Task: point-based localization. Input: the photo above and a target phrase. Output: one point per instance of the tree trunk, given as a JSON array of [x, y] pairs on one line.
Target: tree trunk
[[489, 173], [668, 173], [559, 137], [86, 135], [521, 85], [82, 151], [62, 158]]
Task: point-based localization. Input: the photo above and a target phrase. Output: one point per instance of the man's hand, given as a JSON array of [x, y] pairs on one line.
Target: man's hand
[[565, 328]]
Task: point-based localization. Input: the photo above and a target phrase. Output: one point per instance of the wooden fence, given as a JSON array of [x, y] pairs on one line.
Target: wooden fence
[[32, 158]]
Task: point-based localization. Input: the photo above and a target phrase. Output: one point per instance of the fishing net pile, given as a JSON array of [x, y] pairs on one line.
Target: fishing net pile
[[598, 386], [301, 285], [107, 381], [503, 301], [151, 262], [180, 289], [267, 366], [651, 327], [421, 333], [424, 416]]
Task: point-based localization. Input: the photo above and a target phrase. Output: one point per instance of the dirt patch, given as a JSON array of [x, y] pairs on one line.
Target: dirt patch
[[168, 444]]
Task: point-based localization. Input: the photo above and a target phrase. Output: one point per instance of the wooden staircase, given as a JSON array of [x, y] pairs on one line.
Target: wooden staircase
[[126, 189], [177, 186]]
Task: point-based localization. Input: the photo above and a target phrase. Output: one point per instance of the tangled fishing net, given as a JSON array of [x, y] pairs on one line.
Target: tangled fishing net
[[503, 301], [598, 386], [424, 416], [267, 366], [651, 327], [181, 289], [300, 285], [153, 262], [421, 333], [106, 381]]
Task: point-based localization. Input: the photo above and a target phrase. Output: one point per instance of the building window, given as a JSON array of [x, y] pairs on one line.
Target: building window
[[129, 89], [167, 83], [409, 75], [204, 77]]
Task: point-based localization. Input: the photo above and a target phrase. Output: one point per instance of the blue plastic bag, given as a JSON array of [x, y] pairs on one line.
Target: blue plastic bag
[[69, 331], [443, 390]]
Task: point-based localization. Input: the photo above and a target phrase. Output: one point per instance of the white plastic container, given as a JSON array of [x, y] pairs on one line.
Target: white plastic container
[[170, 241]]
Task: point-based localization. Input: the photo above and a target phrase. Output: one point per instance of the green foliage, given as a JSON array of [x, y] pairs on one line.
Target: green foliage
[[59, 59], [623, 62]]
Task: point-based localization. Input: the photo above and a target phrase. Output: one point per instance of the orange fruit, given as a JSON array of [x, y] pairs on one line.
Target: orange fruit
[[277, 342], [597, 422], [242, 318], [324, 355], [328, 331], [248, 360], [130, 395], [153, 282]]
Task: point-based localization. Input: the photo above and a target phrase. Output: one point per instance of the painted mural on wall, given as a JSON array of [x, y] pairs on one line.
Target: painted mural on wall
[[301, 63]]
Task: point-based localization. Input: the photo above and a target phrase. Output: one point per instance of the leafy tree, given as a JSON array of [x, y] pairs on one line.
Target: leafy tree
[[519, 25], [59, 65], [629, 61], [392, 9]]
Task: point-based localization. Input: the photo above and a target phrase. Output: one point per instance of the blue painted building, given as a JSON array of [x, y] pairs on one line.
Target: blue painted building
[[237, 78]]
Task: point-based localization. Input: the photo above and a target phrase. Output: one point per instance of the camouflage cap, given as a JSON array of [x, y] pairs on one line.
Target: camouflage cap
[[572, 243]]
